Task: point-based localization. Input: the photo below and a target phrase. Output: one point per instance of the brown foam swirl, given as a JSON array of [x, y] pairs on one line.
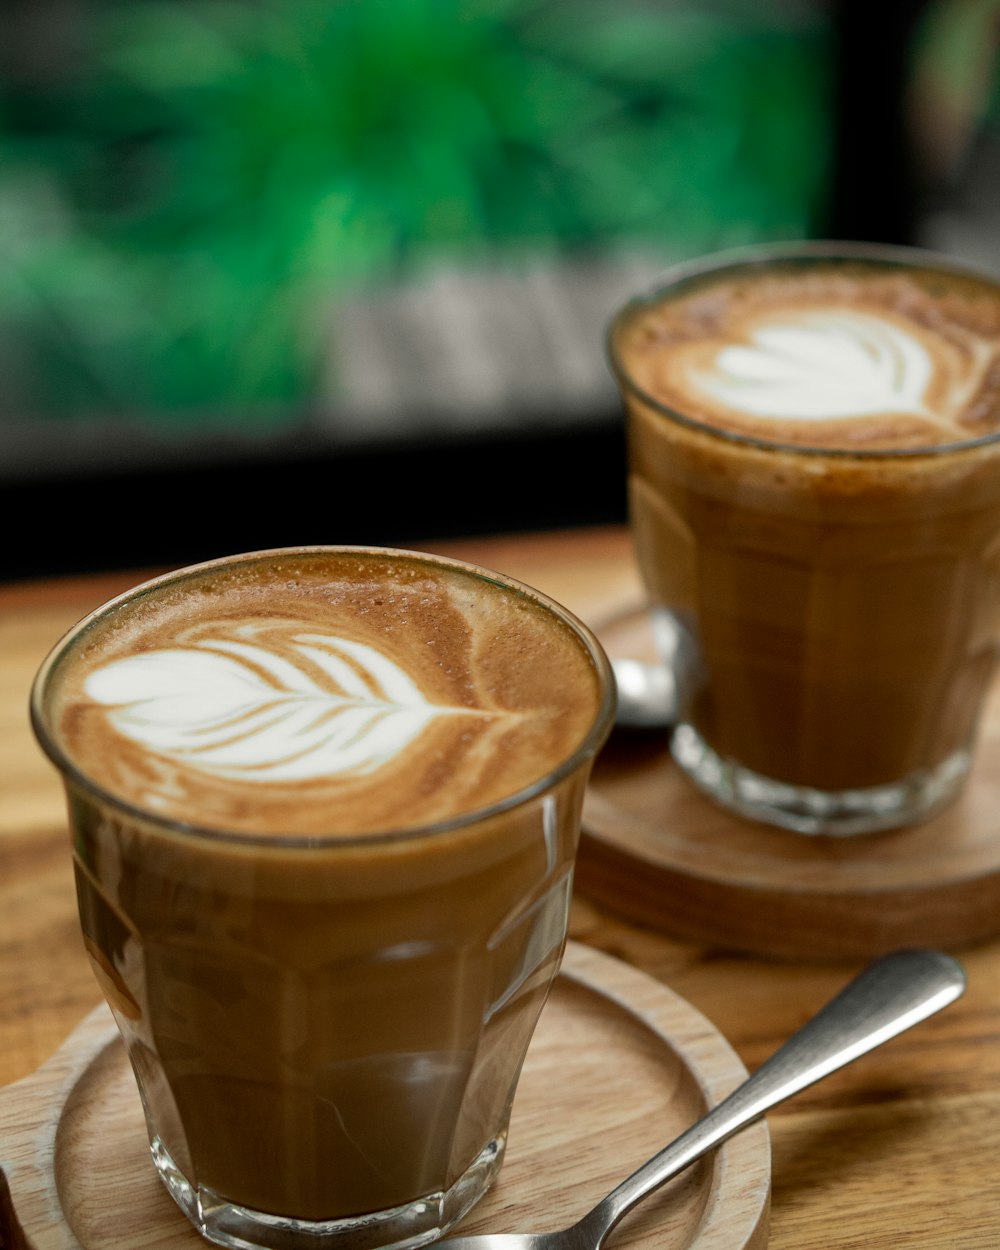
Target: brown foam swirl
[[836, 355], [324, 695]]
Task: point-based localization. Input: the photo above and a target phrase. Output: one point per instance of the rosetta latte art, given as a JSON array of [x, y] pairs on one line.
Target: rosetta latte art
[[323, 706], [821, 365]]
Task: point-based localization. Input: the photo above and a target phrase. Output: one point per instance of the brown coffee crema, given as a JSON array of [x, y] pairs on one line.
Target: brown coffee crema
[[322, 693], [835, 354]]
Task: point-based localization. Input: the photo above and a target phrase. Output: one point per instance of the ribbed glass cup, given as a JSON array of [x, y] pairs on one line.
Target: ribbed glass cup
[[327, 1032], [837, 610]]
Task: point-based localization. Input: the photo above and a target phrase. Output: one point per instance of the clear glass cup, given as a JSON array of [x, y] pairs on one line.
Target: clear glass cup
[[837, 611], [327, 1032]]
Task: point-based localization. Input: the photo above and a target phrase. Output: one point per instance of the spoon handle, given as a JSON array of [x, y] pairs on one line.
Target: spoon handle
[[892, 994]]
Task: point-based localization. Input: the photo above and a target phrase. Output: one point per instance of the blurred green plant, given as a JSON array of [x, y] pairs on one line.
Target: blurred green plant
[[177, 219], [954, 92]]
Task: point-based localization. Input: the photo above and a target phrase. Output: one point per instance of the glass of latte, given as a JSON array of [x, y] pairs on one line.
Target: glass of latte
[[325, 805], [814, 489]]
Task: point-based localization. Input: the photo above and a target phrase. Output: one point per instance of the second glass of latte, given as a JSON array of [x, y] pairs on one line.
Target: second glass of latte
[[814, 444]]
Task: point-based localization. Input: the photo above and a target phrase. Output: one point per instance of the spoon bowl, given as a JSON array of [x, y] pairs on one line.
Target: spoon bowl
[[653, 687], [647, 695]]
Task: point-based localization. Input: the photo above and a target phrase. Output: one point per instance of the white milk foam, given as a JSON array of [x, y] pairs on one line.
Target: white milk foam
[[837, 364], [326, 706], [822, 365]]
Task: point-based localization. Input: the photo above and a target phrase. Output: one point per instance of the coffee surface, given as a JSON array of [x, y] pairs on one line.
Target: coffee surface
[[834, 354], [318, 693]]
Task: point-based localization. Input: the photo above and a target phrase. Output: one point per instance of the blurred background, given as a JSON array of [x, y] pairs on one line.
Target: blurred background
[[297, 271]]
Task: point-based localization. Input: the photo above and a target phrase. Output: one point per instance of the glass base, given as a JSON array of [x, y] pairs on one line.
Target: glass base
[[414, 1224], [836, 813]]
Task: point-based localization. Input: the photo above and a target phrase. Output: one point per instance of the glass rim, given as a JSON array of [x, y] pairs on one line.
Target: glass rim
[[70, 771], [686, 272]]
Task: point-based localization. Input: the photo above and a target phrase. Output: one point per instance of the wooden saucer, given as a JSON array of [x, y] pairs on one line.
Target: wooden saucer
[[618, 1066], [657, 851]]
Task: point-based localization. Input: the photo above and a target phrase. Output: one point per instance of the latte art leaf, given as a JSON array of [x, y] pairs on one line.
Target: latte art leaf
[[318, 706], [819, 366]]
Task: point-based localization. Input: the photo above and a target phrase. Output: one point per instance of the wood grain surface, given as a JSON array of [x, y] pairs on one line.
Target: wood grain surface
[[900, 1150]]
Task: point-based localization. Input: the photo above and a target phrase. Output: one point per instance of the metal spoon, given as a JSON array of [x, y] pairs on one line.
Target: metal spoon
[[650, 694], [892, 995], [647, 695]]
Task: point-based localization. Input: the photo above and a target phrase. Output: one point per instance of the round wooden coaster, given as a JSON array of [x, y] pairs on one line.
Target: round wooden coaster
[[618, 1066], [654, 849]]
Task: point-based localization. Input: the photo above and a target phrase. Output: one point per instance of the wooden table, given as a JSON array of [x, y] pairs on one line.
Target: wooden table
[[901, 1150]]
